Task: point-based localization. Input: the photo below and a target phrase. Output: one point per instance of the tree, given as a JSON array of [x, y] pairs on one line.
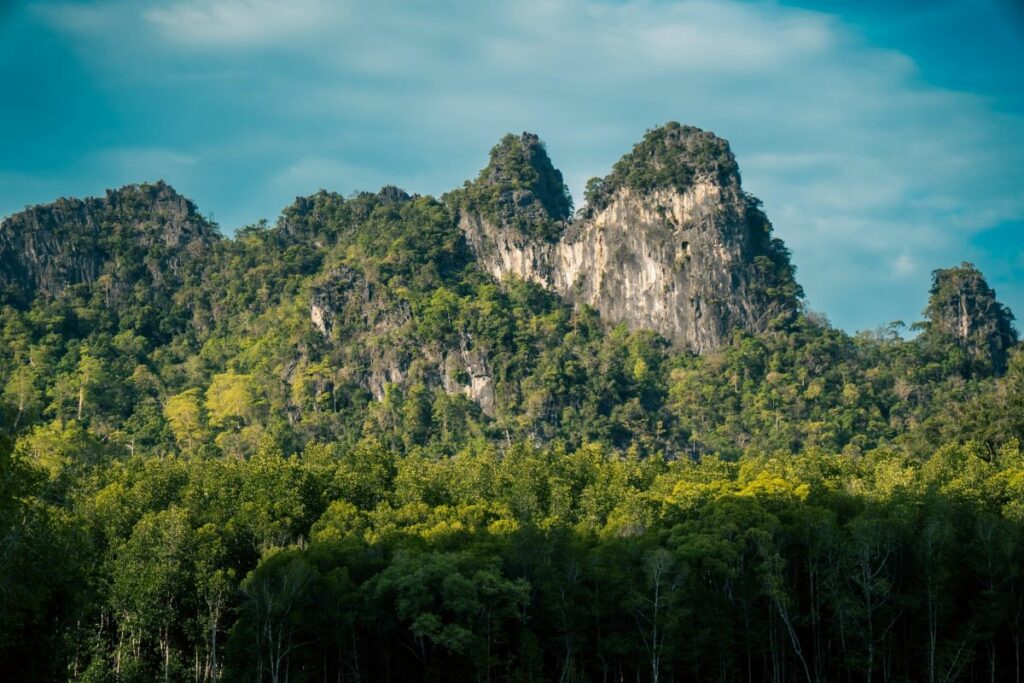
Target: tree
[[61, 450], [215, 583], [151, 578], [22, 392], [276, 594], [91, 374], [229, 399], [186, 416], [657, 605]]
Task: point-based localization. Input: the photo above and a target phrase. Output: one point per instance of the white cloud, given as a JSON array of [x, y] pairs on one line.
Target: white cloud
[[235, 23], [77, 18], [308, 174], [904, 263]]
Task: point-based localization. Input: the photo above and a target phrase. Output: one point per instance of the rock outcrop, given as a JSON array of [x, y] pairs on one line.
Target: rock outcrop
[[347, 308], [963, 308], [139, 232], [668, 241]]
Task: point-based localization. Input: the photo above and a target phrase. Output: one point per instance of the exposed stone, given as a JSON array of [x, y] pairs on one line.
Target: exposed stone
[[963, 308], [468, 371], [345, 306], [136, 232], [687, 253]]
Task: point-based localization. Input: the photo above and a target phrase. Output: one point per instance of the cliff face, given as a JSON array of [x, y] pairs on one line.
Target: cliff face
[[139, 232], [963, 308], [372, 302], [350, 310], [668, 241]]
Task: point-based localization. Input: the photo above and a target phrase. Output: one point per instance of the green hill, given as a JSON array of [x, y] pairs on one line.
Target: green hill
[[385, 438]]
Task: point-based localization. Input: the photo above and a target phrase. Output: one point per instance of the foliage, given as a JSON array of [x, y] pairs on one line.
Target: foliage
[[656, 163], [963, 314], [520, 188], [532, 562], [458, 479]]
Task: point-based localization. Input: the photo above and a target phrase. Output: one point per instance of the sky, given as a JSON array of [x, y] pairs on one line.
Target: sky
[[885, 138]]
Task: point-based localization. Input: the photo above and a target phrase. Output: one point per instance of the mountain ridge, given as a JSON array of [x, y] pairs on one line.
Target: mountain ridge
[[48, 248], [668, 240], [623, 252], [485, 295]]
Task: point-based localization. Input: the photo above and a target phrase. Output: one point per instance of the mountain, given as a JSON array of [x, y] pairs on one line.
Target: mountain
[[668, 241], [132, 249], [963, 309], [495, 313], [392, 437], [137, 233]]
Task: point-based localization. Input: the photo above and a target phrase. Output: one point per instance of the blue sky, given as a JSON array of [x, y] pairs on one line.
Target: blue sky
[[886, 139]]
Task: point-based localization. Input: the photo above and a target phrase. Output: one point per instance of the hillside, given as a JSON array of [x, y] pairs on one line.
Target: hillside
[[668, 241], [399, 437]]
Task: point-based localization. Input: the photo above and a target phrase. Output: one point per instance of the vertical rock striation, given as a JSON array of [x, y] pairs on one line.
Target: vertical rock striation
[[668, 241], [137, 233], [962, 308]]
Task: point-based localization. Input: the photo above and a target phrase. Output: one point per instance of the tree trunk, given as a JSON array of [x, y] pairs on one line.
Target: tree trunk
[[165, 644], [213, 648]]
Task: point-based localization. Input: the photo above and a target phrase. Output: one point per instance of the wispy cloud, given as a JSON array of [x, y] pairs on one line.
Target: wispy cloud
[[238, 23], [872, 175], [79, 18], [145, 162]]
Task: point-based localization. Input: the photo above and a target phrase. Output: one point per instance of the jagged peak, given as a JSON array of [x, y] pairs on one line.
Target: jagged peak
[[391, 194], [157, 196], [963, 308], [319, 217], [71, 241], [522, 161], [672, 156], [306, 205], [157, 190], [644, 252], [519, 187]]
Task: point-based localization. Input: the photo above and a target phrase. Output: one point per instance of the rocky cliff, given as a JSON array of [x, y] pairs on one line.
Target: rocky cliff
[[136, 233], [372, 302], [963, 308], [668, 241], [350, 310]]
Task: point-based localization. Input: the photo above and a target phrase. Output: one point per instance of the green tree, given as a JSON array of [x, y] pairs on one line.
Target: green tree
[[185, 413]]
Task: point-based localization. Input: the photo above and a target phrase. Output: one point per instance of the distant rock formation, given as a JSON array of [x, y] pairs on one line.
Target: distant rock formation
[[963, 308], [137, 233], [668, 241]]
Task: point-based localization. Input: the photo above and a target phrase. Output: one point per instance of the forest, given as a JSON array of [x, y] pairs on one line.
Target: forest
[[335, 449]]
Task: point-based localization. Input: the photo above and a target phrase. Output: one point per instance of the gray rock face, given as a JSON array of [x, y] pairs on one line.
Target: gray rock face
[[670, 242], [963, 308], [467, 370], [345, 307], [138, 231]]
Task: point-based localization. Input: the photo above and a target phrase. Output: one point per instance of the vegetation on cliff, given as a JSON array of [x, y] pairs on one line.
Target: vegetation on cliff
[[336, 448], [681, 250], [669, 157], [519, 188], [964, 313]]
